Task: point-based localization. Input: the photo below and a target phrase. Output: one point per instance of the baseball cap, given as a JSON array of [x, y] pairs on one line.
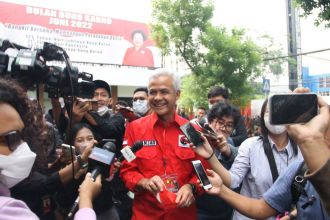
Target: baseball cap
[[102, 84]]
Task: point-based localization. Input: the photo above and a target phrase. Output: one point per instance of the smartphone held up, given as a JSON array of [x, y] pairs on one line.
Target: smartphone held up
[[192, 134], [91, 104], [200, 171], [294, 108]]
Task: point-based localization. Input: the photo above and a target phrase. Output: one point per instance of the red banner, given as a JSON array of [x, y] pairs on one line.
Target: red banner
[[87, 38]]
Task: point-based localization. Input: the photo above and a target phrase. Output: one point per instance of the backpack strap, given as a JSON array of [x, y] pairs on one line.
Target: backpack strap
[[270, 156], [298, 183]]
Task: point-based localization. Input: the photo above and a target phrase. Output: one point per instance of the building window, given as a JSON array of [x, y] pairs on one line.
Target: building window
[[321, 82], [327, 82], [324, 93]]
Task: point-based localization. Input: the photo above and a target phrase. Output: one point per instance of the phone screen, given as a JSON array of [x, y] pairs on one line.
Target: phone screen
[[67, 151], [94, 104], [192, 135], [199, 169], [292, 108]]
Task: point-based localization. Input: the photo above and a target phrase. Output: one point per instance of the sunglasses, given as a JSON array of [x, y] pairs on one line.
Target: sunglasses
[[13, 139]]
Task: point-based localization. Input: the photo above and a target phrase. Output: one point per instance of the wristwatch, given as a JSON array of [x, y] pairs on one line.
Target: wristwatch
[[81, 163], [193, 189]]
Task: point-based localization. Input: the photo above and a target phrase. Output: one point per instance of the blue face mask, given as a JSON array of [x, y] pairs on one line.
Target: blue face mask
[[140, 107]]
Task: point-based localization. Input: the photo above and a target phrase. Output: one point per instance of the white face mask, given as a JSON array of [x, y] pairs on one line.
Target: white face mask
[[140, 106], [274, 129], [102, 110], [16, 166]]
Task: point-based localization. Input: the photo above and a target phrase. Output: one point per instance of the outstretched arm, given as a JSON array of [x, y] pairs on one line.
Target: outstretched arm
[[253, 208]]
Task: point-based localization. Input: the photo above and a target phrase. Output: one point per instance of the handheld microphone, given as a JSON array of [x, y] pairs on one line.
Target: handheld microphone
[[100, 160], [136, 146]]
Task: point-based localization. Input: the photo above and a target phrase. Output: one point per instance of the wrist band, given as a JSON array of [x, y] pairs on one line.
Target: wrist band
[[210, 156], [193, 189], [81, 163]]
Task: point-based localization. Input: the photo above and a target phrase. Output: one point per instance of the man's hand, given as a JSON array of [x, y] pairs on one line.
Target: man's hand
[[154, 184], [79, 110], [184, 197]]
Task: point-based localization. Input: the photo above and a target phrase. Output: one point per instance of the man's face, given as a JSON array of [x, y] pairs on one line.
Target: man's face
[[162, 97], [102, 97], [141, 95], [216, 99], [200, 114]]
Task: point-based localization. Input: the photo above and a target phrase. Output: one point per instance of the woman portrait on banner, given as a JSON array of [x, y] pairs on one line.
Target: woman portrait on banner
[[139, 54]]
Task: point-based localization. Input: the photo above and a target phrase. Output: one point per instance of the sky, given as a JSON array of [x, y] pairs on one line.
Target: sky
[[258, 17]]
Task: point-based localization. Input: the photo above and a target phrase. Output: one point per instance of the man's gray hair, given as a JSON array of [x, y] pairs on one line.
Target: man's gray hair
[[165, 72]]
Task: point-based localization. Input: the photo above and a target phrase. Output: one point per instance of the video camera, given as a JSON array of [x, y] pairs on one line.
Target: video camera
[[30, 68]]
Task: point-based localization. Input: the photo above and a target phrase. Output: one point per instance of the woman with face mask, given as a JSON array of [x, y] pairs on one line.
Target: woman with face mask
[[252, 168], [83, 139], [19, 125]]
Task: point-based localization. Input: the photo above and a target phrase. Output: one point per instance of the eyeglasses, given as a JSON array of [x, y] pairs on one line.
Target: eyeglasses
[[223, 126], [12, 139]]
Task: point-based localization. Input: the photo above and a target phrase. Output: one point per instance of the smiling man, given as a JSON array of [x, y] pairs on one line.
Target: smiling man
[[163, 165]]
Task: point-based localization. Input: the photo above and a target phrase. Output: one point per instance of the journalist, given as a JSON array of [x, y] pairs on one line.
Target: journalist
[[82, 139], [35, 188], [17, 123], [259, 161]]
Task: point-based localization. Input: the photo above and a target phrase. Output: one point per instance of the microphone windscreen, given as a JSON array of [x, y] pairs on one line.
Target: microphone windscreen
[[109, 146]]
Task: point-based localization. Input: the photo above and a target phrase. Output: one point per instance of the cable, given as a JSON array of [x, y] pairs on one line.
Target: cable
[[68, 68], [295, 55]]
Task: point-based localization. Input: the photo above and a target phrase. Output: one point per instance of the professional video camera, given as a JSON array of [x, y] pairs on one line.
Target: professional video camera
[[30, 68]]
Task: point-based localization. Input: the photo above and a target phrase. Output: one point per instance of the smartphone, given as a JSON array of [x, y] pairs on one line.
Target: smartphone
[[192, 134], [200, 171], [207, 131], [67, 151], [92, 104], [292, 108], [127, 113]]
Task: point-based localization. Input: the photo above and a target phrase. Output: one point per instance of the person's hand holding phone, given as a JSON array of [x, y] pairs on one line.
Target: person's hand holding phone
[[127, 113], [215, 181], [311, 137], [316, 127], [79, 110], [65, 155], [205, 150]]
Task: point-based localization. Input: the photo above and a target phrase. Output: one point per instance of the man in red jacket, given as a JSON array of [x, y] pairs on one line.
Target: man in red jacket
[[163, 166]]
